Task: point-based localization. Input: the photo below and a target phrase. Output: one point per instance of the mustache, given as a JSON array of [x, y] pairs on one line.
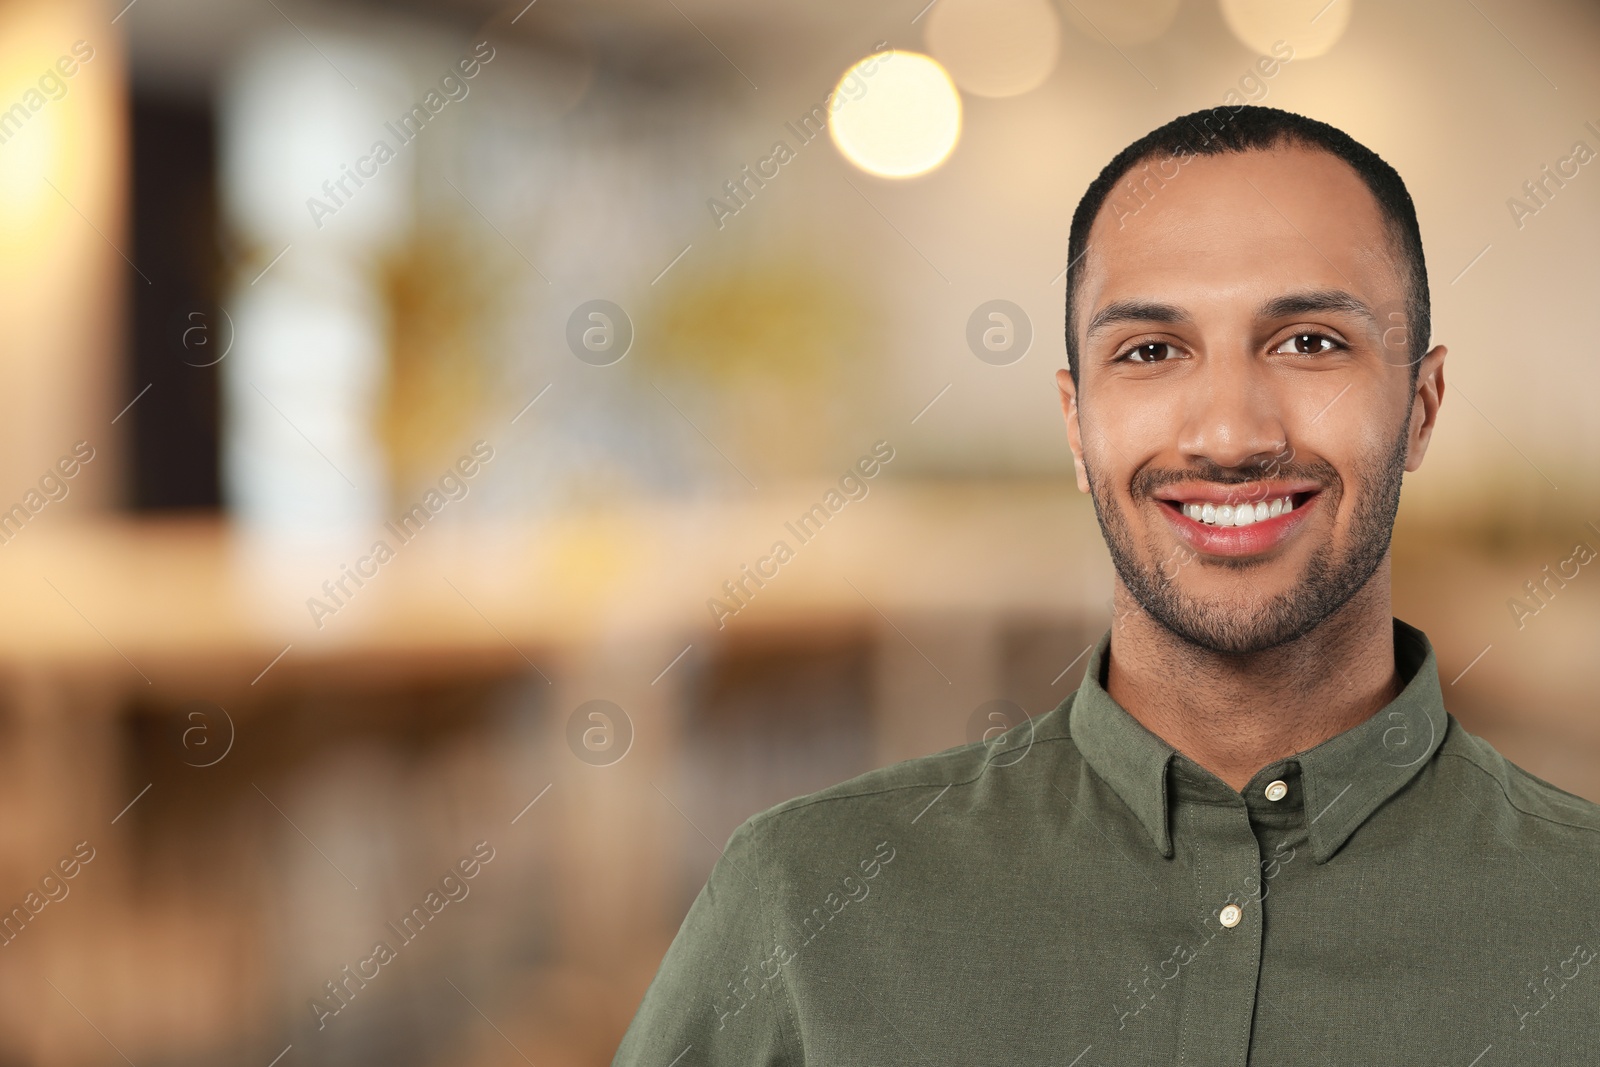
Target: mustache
[[1151, 479]]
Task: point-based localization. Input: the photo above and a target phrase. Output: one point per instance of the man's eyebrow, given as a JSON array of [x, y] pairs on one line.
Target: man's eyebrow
[[1135, 311], [1293, 304]]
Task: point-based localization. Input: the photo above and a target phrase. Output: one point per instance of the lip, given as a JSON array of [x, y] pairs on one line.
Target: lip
[[1212, 493], [1262, 536]]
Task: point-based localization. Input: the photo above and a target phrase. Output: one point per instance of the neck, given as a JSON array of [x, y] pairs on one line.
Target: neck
[[1235, 713]]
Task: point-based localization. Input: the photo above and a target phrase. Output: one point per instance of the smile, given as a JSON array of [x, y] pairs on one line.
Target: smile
[[1242, 514], [1235, 520]]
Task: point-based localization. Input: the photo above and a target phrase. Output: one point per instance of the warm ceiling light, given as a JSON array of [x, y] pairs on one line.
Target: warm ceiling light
[[1311, 27], [995, 47], [898, 114]]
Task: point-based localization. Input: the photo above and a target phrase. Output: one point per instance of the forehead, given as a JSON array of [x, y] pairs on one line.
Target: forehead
[[1245, 225]]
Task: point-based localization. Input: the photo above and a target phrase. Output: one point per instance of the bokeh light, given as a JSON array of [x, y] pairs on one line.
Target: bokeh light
[[898, 115], [43, 133], [995, 47], [1311, 27]]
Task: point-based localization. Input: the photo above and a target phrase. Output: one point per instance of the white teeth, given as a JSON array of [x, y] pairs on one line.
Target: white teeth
[[1238, 515]]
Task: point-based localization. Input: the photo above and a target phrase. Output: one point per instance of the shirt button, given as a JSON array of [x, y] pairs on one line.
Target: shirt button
[[1230, 916], [1277, 790]]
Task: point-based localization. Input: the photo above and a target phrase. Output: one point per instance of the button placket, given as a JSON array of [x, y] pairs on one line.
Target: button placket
[[1218, 998]]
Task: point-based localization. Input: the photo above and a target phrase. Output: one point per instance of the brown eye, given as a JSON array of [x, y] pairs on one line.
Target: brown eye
[[1154, 352], [1307, 344]]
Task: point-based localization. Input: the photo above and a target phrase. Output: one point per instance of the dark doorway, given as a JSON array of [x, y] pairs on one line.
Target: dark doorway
[[178, 328]]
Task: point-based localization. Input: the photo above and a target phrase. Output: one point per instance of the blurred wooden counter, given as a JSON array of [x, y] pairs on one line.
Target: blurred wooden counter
[[162, 600], [186, 607]]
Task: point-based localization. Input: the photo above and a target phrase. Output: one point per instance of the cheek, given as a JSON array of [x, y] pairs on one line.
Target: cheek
[[1352, 425], [1343, 419], [1126, 429]]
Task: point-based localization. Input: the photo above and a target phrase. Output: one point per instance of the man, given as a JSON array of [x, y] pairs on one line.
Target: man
[[1253, 835]]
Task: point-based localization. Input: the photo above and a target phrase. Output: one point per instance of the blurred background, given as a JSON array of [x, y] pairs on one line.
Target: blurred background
[[402, 404]]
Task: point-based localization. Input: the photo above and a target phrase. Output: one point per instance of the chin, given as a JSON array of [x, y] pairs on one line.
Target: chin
[[1236, 621], [1225, 637], [1239, 615]]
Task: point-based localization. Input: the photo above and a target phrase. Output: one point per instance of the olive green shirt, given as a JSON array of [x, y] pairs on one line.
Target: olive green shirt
[[1077, 893]]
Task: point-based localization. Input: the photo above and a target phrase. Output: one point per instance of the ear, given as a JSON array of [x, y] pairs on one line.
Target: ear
[[1069, 410], [1425, 405]]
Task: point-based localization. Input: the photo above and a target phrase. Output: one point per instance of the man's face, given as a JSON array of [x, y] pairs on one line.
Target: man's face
[[1245, 407]]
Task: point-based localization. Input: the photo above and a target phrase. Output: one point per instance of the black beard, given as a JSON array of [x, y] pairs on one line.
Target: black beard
[[1326, 584]]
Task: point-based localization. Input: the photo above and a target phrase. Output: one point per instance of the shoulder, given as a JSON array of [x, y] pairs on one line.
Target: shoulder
[[1567, 815], [896, 796], [887, 795]]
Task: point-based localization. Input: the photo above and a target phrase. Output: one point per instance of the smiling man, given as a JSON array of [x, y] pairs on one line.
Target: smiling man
[[1254, 835], [1251, 379]]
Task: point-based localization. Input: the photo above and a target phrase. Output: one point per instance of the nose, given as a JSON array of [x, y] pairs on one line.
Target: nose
[[1232, 417]]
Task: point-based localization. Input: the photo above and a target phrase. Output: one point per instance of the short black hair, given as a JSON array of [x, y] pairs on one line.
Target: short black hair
[[1221, 130]]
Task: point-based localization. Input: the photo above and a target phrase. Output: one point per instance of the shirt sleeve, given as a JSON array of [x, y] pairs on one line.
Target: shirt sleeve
[[719, 998]]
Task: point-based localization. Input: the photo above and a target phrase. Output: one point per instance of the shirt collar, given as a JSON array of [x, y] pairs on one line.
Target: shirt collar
[[1345, 778]]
